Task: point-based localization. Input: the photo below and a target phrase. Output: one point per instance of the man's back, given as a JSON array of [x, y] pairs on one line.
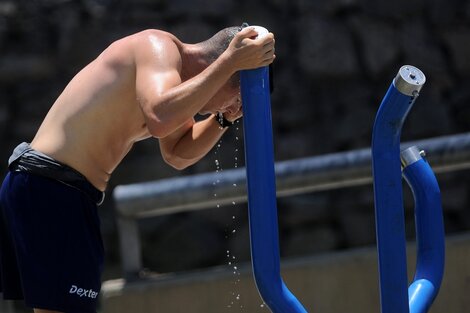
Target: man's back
[[96, 120]]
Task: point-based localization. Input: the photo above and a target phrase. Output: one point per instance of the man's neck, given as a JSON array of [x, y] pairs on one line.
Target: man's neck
[[193, 59]]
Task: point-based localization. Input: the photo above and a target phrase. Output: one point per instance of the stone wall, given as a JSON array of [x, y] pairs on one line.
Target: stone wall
[[335, 60]]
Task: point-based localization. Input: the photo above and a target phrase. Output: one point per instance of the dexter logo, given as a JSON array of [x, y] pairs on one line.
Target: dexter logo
[[83, 292]]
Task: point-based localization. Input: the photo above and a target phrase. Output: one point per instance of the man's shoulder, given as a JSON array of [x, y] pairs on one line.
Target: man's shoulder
[[147, 44], [153, 36]]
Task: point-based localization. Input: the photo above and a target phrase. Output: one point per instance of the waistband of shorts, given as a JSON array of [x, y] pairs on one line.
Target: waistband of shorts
[[34, 162]]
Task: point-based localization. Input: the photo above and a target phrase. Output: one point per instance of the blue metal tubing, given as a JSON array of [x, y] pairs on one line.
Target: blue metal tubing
[[259, 156], [429, 235], [390, 226]]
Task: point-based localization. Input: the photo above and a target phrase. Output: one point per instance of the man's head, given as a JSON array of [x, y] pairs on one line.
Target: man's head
[[217, 44], [228, 97]]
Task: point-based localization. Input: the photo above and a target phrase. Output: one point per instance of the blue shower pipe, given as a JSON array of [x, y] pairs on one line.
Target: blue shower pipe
[[429, 232], [389, 213], [391, 242], [261, 185]]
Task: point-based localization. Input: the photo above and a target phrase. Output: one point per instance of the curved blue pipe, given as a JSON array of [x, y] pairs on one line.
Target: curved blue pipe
[[430, 236], [389, 212], [259, 156]]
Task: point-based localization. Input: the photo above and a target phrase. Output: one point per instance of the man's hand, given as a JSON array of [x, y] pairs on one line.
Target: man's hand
[[246, 51]]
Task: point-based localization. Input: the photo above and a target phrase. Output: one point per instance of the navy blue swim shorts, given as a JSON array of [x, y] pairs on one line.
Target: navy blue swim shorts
[[51, 252]]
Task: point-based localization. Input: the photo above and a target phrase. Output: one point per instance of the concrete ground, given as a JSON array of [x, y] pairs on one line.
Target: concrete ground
[[336, 282]]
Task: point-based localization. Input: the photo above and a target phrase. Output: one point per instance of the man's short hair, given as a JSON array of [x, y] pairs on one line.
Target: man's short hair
[[217, 44]]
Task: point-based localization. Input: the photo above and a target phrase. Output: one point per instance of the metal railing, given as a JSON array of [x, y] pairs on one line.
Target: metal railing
[[325, 172]]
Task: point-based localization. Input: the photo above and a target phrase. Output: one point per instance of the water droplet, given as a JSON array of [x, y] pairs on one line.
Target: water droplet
[[233, 231], [233, 217], [233, 202], [235, 268], [234, 185], [218, 205]]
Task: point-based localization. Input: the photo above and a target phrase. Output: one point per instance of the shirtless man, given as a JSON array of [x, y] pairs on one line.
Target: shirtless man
[[149, 84]]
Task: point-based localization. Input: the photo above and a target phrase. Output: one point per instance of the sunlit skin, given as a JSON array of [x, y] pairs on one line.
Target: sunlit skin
[[149, 84]]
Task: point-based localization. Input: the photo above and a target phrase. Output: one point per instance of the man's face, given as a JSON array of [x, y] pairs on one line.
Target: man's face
[[227, 99]]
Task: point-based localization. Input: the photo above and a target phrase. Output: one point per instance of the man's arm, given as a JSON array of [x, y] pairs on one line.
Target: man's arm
[[191, 142], [166, 101]]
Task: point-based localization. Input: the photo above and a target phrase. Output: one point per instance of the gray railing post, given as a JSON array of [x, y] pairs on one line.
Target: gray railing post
[[131, 252]]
